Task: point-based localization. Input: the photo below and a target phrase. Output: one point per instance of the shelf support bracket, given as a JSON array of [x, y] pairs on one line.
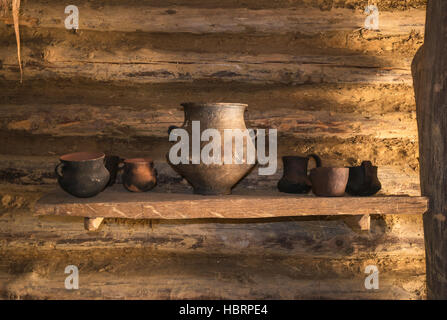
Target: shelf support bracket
[[92, 224], [361, 222]]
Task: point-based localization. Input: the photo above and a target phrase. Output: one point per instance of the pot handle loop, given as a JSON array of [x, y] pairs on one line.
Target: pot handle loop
[[56, 170], [172, 128], [317, 159]]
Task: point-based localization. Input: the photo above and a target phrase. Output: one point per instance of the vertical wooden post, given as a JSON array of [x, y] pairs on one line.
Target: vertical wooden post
[[92, 224], [362, 223], [430, 82]]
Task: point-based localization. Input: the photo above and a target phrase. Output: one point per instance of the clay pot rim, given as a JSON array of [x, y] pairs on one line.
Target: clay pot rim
[[82, 156], [139, 160], [366, 165], [214, 105]]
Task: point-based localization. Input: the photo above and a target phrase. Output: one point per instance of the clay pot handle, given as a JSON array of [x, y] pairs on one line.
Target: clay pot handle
[[316, 158], [56, 170], [172, 128]]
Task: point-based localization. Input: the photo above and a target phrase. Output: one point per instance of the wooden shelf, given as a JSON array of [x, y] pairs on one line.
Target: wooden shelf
[[116, 202]]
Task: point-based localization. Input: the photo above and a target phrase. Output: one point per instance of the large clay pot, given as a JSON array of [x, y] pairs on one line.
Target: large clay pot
[[213, 179], [82, 174]]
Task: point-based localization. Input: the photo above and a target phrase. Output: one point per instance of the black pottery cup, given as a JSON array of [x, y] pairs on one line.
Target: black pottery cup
[[295, 178], [82, 174], [363, 180], [329, 181]]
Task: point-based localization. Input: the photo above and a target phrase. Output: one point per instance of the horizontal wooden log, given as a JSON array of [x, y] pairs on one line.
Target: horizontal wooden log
[[360, 99], [173, 286], [201, 20], [117, 203], [339, 43], [384, 5], [382, 152], [120, 122], [146, 274], [148, 66]]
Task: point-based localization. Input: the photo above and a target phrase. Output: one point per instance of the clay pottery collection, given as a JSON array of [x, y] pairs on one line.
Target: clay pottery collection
[[82, 174], [295, 178], [329, 181], [363, 180], [85, 174], [139, 174], [214, 179]]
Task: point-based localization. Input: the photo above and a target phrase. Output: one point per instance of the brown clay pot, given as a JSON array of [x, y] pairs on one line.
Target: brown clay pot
[[213, 179], [363, 180], [329, 181], [295, 178], [82, 174], [139, 174]]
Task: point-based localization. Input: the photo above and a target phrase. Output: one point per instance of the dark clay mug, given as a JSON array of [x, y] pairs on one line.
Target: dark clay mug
[[295, 178], [139, 174], [363, 180], [329, 181], [82, 174]]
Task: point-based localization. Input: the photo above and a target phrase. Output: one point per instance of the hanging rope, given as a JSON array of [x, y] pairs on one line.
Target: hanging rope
[[15, 17], [15, 6]]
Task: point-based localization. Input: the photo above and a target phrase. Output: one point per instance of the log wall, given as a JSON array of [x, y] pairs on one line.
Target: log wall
[[305, 67]]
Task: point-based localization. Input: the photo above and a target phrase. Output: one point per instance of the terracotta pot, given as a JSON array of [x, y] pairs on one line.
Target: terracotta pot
[[212, 179], [82, 174], [139, 174], [295, 178], [328, 181], [363, 180]]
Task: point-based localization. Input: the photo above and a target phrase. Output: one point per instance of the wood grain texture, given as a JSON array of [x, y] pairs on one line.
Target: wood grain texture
[[117, 203], [148, 66], [143, 18], [137, 273], [430, 74], [119, 121]]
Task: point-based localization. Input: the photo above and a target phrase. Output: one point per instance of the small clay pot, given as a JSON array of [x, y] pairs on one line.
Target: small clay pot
[[112, 165], [295, 178], [329, 181], [82, 174], [363, 180], [139, 174]]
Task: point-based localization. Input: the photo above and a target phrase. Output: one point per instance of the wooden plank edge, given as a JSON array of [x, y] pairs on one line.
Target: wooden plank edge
[[147, 210]]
